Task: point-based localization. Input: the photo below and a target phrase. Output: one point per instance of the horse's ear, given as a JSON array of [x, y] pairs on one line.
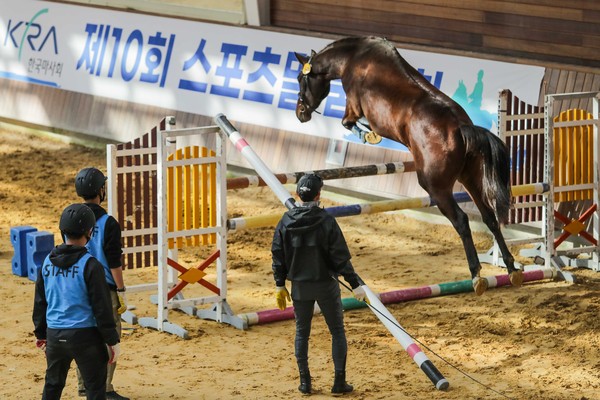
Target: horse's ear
[[301, 58], [313, 53]]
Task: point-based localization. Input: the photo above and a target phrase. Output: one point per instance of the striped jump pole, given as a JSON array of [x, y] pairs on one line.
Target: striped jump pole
[[250, 155], [402, 295], [261, 221], [326, 174], [378, 309]]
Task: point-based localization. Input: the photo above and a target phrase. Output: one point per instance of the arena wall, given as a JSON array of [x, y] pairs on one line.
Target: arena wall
[[69, 112]]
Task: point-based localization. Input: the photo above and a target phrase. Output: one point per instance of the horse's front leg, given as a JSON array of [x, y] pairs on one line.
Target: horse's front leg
[[356, 123], [351, 115]]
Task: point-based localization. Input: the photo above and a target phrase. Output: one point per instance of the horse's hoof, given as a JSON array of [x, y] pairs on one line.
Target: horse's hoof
[[516, 278], [372, 137], [480, 285]]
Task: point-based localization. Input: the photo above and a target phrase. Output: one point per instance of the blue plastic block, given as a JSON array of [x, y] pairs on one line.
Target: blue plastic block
[[17, 238], [39, 245]]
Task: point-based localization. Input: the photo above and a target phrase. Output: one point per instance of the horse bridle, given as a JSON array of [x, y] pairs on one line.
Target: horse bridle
[[306, 69]]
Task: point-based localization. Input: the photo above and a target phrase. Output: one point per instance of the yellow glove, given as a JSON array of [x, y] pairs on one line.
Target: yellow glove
[[281, 294], [122, 303]]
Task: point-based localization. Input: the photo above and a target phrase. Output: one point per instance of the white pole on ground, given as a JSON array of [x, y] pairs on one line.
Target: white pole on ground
[[413, 350]]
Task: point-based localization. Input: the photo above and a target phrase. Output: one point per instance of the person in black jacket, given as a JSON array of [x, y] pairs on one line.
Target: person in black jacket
[[72, 312], [309, 249]]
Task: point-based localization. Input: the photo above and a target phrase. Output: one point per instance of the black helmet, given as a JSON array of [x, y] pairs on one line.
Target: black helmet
[[77, 220], [309, 186], [88, 182]]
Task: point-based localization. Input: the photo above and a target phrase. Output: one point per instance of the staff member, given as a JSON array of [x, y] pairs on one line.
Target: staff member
[[72, 312], [309, 249]]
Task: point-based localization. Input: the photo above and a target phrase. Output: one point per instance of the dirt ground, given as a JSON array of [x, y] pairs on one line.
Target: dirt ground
[[539, 342]]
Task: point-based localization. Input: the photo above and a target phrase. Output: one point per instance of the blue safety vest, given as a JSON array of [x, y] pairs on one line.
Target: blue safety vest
[[96, 247], [67, 295]]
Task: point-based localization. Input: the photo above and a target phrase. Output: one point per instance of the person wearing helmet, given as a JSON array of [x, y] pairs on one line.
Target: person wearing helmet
[[72, 314], [105, 245], [309, 249]]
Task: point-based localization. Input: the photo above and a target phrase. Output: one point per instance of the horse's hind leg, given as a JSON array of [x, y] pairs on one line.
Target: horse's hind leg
[[449, 207], [489, 218]]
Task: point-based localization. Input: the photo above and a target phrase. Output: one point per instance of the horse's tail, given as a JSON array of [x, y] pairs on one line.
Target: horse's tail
[[496, 168]]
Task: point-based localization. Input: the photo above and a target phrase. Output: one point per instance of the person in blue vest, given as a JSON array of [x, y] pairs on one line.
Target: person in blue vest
[[105, 245], [72, 311], [309, 249]]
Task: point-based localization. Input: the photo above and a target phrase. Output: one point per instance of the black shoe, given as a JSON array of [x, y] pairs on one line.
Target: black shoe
[[81, 392], [305, 382], [339, 384], [115, 396]]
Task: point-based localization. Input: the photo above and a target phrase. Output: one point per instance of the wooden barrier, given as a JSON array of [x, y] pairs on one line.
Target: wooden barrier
[[521, 126], [131, 195], [175, 197], [559, 150], [572, 164]]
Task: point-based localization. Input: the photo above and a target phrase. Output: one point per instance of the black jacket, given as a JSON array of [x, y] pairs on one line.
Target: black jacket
[[64, 256], [309, 246]]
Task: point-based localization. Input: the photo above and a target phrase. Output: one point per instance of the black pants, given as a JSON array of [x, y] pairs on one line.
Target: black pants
[[91, 359], [332, 311]]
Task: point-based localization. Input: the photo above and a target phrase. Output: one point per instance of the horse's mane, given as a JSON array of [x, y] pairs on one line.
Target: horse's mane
[[416, 76], [386, 47]]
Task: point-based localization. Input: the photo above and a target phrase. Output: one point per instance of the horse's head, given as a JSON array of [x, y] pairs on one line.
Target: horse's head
[[314, 87]]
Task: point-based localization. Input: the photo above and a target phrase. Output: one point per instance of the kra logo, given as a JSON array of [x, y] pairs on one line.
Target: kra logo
[[30, 35]]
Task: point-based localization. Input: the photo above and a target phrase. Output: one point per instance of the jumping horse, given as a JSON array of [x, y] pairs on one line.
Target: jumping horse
[[400, 104]]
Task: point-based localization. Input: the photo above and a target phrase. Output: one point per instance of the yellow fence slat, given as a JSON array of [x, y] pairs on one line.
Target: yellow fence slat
[[213, 197], [170, 203], [178, 198], [187, 196], [204, 193], [195, 183]]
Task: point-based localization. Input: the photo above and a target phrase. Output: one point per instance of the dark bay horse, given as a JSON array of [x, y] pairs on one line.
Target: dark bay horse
[[401, 105]]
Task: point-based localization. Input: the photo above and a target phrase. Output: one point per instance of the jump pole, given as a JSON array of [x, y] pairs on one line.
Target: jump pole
[[326, 174], [250, 155], [261, 221], [413, 350], [375, 304], [402, 295]]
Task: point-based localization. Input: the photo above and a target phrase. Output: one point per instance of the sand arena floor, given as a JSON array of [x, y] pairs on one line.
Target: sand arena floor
[[539, 342]]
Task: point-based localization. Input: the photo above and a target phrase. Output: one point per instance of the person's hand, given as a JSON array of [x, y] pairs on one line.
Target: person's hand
[[360, 294], [113, 352], [122, 303], [41, 344], [281, 294]]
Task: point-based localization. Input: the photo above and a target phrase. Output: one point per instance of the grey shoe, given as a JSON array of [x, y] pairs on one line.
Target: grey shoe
[[115, 396]]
